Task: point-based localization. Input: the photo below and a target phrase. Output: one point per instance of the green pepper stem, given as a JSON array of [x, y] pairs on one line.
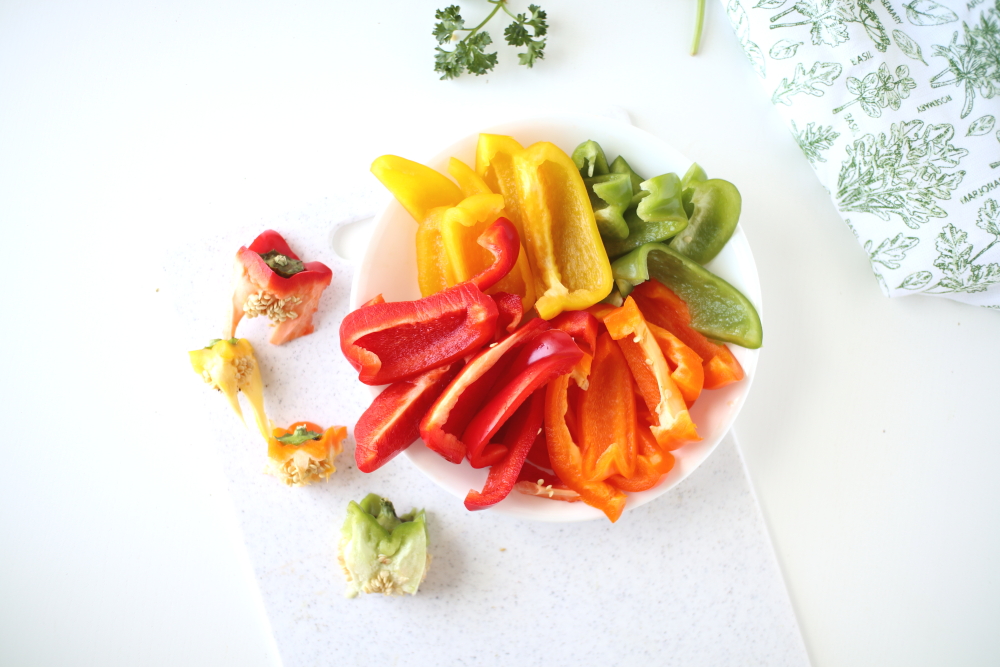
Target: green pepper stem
[[699, 21]]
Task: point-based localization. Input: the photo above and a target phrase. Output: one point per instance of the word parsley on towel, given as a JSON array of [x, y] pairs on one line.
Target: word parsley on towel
[[469, 52]]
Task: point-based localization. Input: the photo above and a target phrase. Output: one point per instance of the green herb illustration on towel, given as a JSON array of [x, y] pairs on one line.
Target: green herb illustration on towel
[[891, 252], [812, 140], [909, 46], [879, 90], [806, 82], [973, 63], [901, 173], [829, 19], [741, 25], [956, 262]]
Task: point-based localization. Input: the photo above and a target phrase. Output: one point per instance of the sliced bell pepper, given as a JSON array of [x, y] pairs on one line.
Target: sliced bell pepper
[[395, 341], [566, 253], [665, 309], [686, 369], [510, 312], [536, 482], [230, 367], [608, 438], [519, 435], [469, 182], [567, 461], [716, 212], [581, 325], [462, 226], [392, 422], [434, 272], [418, 188], [590, 159], [674, 426], [651, 465], [501, 240], [447, 418], [495, 164], [547, 355], [269, 279], [718, 309], [610, 195], [303, 453]]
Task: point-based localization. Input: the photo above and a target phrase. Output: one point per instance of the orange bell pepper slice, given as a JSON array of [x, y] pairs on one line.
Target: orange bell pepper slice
[[564, 453], [665, 309], [651, 465], [608, 438], [686, 369], [674, 426]]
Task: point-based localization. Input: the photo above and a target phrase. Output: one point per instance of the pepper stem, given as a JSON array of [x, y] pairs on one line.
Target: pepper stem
[[699, 22]]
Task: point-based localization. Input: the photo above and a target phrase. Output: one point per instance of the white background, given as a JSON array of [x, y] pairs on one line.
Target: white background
[[125, 127]]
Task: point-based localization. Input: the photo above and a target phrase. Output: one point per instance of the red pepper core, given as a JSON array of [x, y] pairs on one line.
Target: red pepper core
[[502, 240], [392, 422], [388, 342], [520, 433], [300, 291]]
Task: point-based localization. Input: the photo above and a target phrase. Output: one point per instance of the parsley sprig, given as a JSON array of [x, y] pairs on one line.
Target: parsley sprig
[[469, 53]]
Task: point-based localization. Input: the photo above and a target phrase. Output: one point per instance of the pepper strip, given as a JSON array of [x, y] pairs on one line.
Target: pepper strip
[[301, 290], [686, 368], [565, 454], [501, 240], [650, 466], [510, 310], [649, 368], [388, 342], [665, 309], [566, 253], [520, 433], [392, 422], [418, 188], [547, 355], [607, 416], [455, 406], [581, 325]]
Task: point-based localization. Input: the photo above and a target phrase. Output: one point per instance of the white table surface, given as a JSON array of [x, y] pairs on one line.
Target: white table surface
[[124, 128]]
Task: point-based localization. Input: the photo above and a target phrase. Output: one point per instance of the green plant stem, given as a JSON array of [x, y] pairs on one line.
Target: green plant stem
[[499, 4], [790, 25], [983, 250], [699, 22], [844, 106], [503, 3]]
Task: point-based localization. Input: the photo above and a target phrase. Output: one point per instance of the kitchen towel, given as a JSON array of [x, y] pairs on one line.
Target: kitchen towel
[[896, 105]]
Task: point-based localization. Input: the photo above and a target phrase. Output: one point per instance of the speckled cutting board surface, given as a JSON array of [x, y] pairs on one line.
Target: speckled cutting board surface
[[688, 579]]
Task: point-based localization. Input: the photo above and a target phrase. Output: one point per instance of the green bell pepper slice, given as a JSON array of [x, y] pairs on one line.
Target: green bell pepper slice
[[716, 208], [380, 552], [692, 177], [641, 232], [664, 200], [589, 158], [718, 310], [620, 166], [610, 195]]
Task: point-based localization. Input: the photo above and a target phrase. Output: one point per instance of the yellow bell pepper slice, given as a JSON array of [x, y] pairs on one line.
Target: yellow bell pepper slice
[[434, 272], [567, 256], [469, 182], [495, 164], [417, 187]]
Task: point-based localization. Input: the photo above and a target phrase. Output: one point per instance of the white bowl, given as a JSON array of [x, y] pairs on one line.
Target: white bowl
[[389, 267]]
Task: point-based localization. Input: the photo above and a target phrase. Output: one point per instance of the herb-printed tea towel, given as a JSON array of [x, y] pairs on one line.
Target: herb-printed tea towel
[[896, 105]]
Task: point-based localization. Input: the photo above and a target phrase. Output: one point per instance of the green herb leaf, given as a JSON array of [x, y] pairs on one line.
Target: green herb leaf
[[927, 12], [299, 436], [284, 266], [909, 47], [449, 21], [470, 52], [981, 126], [916, 280]]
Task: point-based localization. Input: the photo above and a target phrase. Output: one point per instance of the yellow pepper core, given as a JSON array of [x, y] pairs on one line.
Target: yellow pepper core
[[230, 367]]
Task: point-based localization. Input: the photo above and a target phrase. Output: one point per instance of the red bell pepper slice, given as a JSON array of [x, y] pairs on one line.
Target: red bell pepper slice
[[547, 355], [392, 422], [511, 311], [519, 435], [388, 342], [447, 418], [607, 416], [665, 309], [260, 290], [565, 454], [502, 240], [581, 325]]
